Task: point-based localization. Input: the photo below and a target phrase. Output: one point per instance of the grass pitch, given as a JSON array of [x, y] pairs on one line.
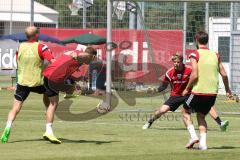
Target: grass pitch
[[117, 135]]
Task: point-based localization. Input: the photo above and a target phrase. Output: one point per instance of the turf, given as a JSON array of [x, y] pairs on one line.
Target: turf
[[117, 135]]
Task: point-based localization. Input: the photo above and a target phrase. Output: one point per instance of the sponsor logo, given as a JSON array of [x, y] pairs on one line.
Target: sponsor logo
[[8, 58]]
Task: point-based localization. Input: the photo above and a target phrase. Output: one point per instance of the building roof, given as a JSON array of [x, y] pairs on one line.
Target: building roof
[[24, 6], [21, 12], [25, 17]]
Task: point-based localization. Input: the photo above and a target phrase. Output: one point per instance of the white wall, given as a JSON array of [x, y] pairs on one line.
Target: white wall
[[219, 27]]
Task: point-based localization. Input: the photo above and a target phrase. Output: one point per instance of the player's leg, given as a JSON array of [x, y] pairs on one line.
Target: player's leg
[[170, 105], [19, 97], [158, 113], [202, 130], [48, 135], [70, 92], [188, 108], [46, 101], [53, 102], [222, 124], [205, 104], [11, 117], [190, 127]]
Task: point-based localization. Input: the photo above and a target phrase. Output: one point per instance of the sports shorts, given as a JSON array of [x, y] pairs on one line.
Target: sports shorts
[[175, 101], [22, 92], [199, 103]]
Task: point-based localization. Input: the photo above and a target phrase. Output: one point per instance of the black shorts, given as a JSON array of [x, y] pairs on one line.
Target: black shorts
[[50, 91], [199, 103], [175, 101], [22, 92]]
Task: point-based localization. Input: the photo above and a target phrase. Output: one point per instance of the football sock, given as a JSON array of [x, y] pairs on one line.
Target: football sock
[[203, 137], [151, 120], [218, 120], [192, 132], [49, 128], [9, 124]]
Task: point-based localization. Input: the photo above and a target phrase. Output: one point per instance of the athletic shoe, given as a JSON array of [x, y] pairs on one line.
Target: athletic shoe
[[202, 147], [224, 125], [191, 143], [146, 126], [51, 138], [5, 135], [67, 96]]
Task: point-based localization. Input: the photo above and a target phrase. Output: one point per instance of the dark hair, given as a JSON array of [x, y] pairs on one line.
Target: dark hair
[[91, 50], [202, 37], [177, 56]]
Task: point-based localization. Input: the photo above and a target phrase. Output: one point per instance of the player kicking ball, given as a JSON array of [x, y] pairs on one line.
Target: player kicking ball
[[55, 80]]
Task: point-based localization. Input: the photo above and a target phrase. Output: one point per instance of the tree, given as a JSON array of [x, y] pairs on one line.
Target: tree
[[158, 15]]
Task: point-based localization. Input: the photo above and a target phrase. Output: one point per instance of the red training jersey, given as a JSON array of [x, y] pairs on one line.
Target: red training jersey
[[178, 79], [61, 69]]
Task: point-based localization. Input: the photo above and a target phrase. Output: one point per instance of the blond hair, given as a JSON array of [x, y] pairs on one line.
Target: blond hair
[[31, 31], [177, 56]]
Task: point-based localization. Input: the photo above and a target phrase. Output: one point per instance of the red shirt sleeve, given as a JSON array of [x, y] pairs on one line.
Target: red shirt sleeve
[[44, 52], [16, 55], [194, 55], [166, 77]]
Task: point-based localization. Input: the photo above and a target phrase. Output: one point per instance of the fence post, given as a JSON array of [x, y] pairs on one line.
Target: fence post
[[84, 14], [231, 41], [11, 15], [32, 13], [109, 52], [207, 17], [184, 30]]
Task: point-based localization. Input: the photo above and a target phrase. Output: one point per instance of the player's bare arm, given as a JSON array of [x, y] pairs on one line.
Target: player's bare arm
[[193, 77], [225, 80]]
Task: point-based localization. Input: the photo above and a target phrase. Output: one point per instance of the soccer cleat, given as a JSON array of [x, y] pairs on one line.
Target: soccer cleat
[[191, 143], [67, 96], [224, 125], [146, 126], [5, 135], [51, 138]]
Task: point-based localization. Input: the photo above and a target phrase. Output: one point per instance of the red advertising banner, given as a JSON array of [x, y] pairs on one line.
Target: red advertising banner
[[141, 56]]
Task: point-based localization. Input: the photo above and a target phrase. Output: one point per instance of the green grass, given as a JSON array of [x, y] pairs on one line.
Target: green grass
[[117, 135]]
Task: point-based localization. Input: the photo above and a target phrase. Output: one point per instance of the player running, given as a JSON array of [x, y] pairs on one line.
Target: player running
[[203, 83]]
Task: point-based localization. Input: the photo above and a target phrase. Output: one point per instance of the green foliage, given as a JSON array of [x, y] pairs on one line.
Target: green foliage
[[157, 15]]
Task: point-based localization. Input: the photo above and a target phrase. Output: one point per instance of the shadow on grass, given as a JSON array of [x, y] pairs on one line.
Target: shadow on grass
[[66, 141], [183, 129], [221, 147], [224, 147], [109, 134], [28, 140], [85, 141], [170, 128]]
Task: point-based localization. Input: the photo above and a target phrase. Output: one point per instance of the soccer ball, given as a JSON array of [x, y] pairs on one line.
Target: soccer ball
[[237, 98], [103, 107], [151, 90]]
